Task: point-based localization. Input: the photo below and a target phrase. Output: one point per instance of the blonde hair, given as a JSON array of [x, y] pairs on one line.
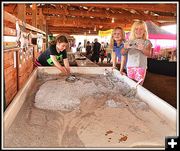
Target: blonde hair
[[136, 24], [112, 39]]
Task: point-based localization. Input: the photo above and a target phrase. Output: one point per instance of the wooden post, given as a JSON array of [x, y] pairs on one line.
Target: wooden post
[[22, 14], [4, 102], [34, 15], [40, 19], [44, 23], [46, 35]]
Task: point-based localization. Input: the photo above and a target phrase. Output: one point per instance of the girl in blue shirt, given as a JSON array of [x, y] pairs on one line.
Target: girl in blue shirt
[[117, 45]]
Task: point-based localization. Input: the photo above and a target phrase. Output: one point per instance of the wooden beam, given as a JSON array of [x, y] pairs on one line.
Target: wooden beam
[[88, 22], [64, 17], [104, 14], [40, 19], [100, 14], [162, 7], [21, 14], [121, 17], [12, 8], [81, 30], [34, 15], [9, 31], [79, 22], [12, 19]]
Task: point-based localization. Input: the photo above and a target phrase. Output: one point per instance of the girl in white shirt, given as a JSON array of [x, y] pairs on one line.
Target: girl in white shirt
[[138, 48]]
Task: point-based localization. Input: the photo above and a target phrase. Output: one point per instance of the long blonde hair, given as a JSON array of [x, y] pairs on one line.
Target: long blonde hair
[[112, 39], [136, 24]]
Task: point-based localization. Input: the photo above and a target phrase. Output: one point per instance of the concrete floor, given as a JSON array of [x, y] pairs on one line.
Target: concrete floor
[[163, 86]]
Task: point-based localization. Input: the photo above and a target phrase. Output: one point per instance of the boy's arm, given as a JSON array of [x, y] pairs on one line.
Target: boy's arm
[[66, 64], [57, 64]]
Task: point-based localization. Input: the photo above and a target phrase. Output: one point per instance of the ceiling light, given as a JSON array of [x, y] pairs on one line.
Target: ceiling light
[[95, 28], [133, 11], [146, 12], [100, 26], [85, 7], [155, 14], [135, 19], [112, 20]]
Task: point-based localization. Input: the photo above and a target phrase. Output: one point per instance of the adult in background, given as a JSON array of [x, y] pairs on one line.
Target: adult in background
[[88, 50], [95, 51], [102, 52], [79, 47], [108, 52]]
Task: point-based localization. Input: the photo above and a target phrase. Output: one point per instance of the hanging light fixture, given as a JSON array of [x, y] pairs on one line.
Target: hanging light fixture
[[89, 31], [112, 20], [95, 28]]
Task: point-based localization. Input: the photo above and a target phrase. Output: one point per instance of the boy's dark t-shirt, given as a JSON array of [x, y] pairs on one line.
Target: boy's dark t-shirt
[[45, 60]]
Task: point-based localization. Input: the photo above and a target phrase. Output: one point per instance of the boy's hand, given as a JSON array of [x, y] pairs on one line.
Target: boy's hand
[[63, 70], [68, 71]]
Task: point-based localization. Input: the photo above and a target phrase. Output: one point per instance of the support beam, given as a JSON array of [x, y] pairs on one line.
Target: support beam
[[22, 15], [12, 19], [34, 15], [138, 6]]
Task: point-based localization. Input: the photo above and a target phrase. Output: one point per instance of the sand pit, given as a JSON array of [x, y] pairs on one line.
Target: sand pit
[[91, 112], [59, 94]]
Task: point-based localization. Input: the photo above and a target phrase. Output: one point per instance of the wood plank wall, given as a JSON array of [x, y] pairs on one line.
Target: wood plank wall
[[25, 65], [10, 75], [18, 65]]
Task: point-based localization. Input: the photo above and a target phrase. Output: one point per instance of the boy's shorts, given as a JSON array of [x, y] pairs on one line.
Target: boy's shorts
[[36, 63]]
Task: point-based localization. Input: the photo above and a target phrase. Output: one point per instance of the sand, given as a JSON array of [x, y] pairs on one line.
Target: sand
[[93, 112]]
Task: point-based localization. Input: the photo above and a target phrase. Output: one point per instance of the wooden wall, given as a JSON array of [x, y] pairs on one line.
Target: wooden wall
[[25, 65], [10, 75], [18, 65], [18, 62]]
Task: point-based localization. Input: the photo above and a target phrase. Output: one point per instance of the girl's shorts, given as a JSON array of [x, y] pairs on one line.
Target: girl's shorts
[[136, 73]]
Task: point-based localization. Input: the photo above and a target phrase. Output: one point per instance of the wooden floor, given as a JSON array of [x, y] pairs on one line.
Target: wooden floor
[[163, 86]]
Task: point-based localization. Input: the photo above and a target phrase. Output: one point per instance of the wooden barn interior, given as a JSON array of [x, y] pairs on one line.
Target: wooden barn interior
[[78, 18]]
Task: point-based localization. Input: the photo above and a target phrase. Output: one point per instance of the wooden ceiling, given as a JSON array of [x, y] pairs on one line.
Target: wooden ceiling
[[89, 18]]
